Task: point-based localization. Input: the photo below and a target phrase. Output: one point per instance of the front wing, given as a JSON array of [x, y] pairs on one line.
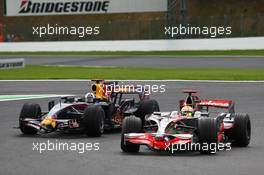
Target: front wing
[[157, 142]]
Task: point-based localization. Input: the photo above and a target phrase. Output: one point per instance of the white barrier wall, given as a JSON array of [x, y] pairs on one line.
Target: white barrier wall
[[138, 45]]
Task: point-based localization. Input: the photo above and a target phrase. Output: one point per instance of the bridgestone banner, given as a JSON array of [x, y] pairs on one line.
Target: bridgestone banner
[[71, 7]]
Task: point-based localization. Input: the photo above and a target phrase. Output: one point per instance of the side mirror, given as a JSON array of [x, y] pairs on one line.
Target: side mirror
[[51, 104]]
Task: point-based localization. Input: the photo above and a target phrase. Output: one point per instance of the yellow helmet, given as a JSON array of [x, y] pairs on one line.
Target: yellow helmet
[[187, 111]]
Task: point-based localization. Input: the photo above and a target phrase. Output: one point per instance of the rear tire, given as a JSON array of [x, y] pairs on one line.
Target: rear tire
[[242, 130], [29, 111], [130, 124], [207, 135], [146, 107], [93, 121]]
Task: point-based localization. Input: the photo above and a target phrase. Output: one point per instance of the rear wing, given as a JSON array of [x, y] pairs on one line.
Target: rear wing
[[132, 89], [226, 104]]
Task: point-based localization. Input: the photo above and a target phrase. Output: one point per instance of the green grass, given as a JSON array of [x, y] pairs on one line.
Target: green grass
[[53, 72], [156, 53]]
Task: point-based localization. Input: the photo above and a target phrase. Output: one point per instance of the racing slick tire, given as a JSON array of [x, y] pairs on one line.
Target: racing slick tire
[[93, 121], [207, 135], [146, 107], [29, 111], [130, 124], [242, 130]]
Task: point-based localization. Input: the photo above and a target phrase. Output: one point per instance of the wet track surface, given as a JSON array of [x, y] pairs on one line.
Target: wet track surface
[[17, 156], [150, 61]]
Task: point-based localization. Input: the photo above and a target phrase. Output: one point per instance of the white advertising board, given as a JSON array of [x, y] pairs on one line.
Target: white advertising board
[[71, 7]]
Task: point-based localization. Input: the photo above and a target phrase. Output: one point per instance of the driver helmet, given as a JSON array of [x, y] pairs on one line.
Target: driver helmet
[[89, 97], [187, 111]]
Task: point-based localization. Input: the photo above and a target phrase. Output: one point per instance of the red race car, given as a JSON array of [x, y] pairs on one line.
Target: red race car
[[198, 126]]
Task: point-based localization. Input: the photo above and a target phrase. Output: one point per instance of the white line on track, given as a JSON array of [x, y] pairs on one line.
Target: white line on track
[[29, 96]]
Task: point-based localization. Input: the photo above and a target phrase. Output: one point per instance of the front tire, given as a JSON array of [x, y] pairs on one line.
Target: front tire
[[93, 121], [130, 124], [29, 111], [207, 135]]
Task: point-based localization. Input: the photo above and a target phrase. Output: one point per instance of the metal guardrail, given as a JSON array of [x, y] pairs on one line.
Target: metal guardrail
[[135, 45]]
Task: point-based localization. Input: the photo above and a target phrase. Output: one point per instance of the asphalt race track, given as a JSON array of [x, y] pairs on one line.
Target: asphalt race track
[[149, 61], [17, 156]]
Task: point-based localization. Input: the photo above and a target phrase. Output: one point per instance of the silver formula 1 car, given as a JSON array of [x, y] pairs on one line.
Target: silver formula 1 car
[[203, 129]]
